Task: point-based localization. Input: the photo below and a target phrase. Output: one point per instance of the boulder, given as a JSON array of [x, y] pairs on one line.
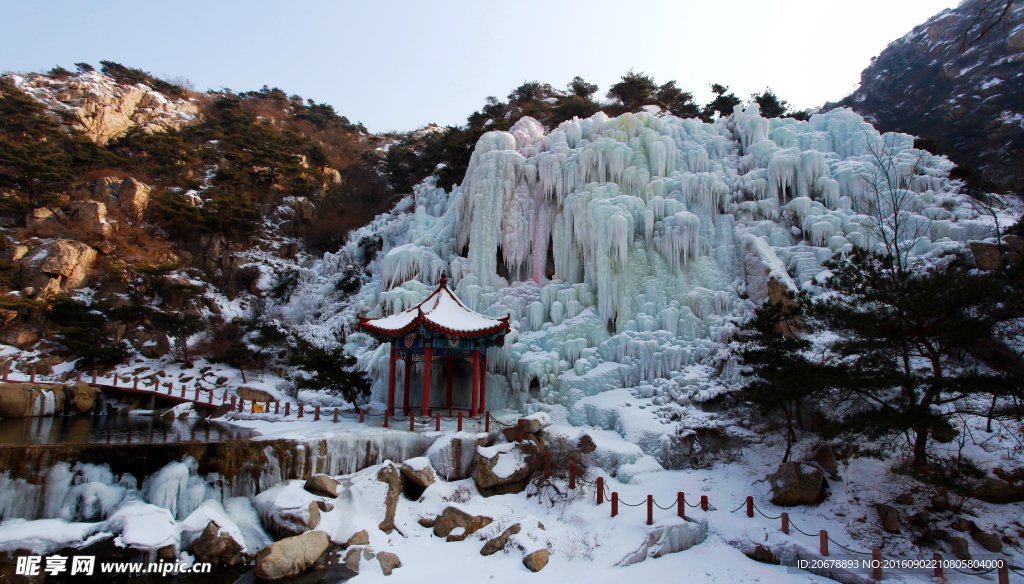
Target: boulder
[[132, 198], [986, 255], [389, 474], [257, 395], [536, 422], [91, 216], [155, 347], [536, 561], [921, 519], [505, 465], [45, 220], [218, 548], [388, 562], [23, 400], [14, 252], [83, 397], [15, 403], [999, 491], [19, 337], [498, 543], [585, 443], [418, 472], [960, 548], [352, 559], [322, 485], [826, 457], [291, 556], [889, 518], [105, 188], [427, 522], [70, 260], [1015, 41], [452, 518], [989, 541], [358, 538], [451, 456], [797, 483]]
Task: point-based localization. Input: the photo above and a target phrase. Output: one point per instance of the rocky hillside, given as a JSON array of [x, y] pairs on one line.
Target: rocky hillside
[[143, 223], [967, 102]]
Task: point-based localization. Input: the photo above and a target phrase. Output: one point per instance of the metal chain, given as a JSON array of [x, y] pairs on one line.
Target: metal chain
[[802, 531], [765, 516], [848, 549], [628, 505], [738, 508], [975, 573], [663, 508]]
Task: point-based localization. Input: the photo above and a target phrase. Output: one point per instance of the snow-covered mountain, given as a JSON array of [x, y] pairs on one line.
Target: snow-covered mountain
[[969, 99]]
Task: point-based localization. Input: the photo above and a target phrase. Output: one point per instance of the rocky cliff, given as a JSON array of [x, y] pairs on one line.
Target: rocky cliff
[[971, 102]]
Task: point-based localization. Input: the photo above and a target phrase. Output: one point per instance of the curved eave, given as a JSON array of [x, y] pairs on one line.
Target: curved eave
[[420, 322]]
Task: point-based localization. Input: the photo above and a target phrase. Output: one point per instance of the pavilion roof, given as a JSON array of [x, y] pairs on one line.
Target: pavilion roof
[[441, 312]]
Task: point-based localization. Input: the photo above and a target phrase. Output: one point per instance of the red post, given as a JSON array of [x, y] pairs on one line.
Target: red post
[[437, 422], [391, 380], [615, 503], [136, 384], [681, 505], [95, 376], [487, 421], [7, 369], [277, 404], [572, 475], [876, 564], [600, 490], [704, 502], [335, 414], [316, 413], [823, 542], [412, 421], [785, 523], [78, 376], [362, 415], [650, 509], [1004, 572], [33, 374], [407, 400], [475, 403], [387, 415], [460, 421], [287, 408], [750, 506], [253, 406], [483, 381], [547, 465], [428, 355], [300, 408], [232, 403], [449, 365], [519, 435], [241, 404], [183, 390], [938, 564]]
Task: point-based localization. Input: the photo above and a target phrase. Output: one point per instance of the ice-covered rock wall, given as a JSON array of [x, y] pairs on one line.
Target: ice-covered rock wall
[[627, 249]]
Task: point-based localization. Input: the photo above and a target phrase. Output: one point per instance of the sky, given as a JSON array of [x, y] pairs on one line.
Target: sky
[[399, 65]]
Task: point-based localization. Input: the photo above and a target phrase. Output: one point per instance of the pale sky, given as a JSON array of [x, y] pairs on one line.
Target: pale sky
[[398, 65]]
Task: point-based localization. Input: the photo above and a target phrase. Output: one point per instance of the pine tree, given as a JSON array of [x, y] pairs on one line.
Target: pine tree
[[781, 377]]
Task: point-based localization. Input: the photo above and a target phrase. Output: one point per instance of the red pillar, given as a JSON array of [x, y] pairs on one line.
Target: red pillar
[[460, 421], [704, 502], [449, 364], [391, 378], [483, 381], [876, 564], [938, 564], [681, 505], [476, 383], [428, 354], [750, 506], [650, 509], [785, 523], [572, 475], [437, 422], [600, 490], [408, 379], [823, 542], [615, 503]]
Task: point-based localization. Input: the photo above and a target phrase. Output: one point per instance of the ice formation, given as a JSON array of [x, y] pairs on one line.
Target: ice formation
[[628, 249]]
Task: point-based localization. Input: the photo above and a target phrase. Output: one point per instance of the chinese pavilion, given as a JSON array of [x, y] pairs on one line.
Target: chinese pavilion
[[439, 327]]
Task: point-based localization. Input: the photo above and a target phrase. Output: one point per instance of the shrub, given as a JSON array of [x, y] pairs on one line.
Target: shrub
[[329, 370], [84, 67]]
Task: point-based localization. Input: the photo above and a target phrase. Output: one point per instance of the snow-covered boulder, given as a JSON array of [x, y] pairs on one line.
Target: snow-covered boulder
[[452, 455], [291, 556], [417, 471], [797, 483], [322, 485], [504, 468], [288, 509]]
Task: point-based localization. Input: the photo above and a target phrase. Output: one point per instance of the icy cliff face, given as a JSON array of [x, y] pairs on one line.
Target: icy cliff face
[[627, 249]]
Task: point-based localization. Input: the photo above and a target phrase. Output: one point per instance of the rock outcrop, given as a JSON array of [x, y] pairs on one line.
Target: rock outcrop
[[291, 556], [505, 468], [133, 197], [889, 518], [390, 475], [103, 109], [23, 400]]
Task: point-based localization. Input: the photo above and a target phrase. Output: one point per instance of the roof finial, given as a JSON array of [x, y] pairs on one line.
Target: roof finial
[[444, 279]]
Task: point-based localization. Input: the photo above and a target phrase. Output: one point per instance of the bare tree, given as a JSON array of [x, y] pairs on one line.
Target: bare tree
[[888, 181], [991, 13]]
